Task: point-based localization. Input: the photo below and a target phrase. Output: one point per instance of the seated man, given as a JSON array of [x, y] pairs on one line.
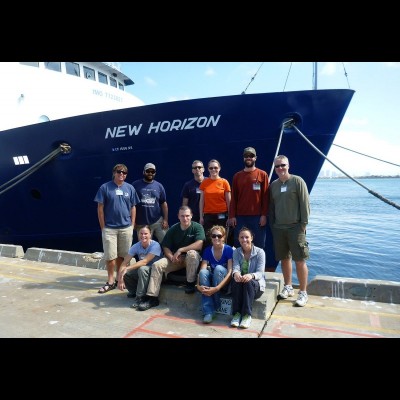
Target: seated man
[[182, 246]]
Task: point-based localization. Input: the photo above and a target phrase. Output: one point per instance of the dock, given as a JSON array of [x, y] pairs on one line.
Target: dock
[[53, 294]]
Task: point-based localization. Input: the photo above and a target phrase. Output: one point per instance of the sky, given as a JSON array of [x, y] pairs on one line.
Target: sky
[[370, 126]]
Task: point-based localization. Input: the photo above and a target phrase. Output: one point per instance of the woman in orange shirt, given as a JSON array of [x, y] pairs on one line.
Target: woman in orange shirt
[[215, 198]]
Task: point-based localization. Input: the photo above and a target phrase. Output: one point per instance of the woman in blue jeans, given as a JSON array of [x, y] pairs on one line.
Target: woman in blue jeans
[[215, 272]]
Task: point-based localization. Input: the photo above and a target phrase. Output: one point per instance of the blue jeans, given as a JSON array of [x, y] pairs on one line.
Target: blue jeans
[[210, 304]]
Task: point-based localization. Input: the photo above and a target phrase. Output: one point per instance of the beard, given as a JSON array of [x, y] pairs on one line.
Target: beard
[[249, 163]]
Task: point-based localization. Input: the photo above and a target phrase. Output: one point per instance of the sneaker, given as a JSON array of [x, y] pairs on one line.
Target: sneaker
[[302, 299], [246, 322], [236, 320], [136, 302], [190, 287], [148, 302], [286, 292], [208, 318]]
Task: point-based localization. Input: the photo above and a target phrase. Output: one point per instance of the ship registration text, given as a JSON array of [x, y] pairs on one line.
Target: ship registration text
[[163, 126]]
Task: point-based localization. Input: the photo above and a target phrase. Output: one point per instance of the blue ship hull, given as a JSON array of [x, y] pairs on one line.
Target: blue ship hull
[[54, 208]]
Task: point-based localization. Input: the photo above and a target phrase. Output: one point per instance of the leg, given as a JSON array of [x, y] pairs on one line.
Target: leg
[[143, 280], [157, 269], [217, 277], [302, 274], [157, 230], [286, 265], [248, 295], [192, 262], [207, 302], [131, 281]]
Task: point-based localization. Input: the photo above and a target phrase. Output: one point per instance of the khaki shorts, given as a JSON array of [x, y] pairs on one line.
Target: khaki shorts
[[116, 242], [290, 243]]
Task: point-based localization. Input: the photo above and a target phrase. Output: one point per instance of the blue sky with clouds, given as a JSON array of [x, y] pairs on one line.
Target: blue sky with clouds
[[370, 126]]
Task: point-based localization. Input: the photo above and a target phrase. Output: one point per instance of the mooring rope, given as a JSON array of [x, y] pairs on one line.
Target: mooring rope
[[63, 148], [380, 197]]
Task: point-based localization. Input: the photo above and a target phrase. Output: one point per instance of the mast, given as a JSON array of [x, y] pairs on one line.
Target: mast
[[315, 75]]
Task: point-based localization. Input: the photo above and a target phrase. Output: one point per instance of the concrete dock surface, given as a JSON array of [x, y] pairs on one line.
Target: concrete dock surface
[[42, 299]]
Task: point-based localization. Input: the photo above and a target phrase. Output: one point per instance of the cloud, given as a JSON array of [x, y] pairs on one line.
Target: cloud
[[210, 72], [150, 81]]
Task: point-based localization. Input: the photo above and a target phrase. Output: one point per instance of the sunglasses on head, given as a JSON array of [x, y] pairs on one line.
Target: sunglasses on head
[[214, 235], [119, 171]]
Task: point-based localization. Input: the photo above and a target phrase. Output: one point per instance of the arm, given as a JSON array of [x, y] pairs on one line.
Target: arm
[[228, 199], [201, 207], [164, 208], [185, 201], [133, 216], [100, 215]]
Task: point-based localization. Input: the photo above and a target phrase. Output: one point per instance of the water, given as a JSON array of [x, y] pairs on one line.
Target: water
[[352, 233]]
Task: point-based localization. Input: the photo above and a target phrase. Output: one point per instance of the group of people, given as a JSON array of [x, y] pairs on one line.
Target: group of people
[[199, 241]]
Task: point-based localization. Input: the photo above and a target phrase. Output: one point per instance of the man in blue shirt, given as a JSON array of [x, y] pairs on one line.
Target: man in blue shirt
[[152, 209], [116, 211]]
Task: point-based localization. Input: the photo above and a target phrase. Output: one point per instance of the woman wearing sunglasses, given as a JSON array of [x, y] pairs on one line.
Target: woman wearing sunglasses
[[215, 272], [215, 198]]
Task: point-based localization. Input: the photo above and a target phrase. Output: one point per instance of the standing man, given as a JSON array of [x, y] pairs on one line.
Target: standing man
[[153, 208], [190, 192], [182, 246], [289, 213], [249, 202], [116, 211]]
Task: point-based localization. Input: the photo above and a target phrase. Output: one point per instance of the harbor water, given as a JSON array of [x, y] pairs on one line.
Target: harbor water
[[352, 233]]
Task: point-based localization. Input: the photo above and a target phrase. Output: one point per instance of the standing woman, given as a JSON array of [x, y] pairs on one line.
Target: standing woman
[[215, 272], [215, 198], [248, 281]]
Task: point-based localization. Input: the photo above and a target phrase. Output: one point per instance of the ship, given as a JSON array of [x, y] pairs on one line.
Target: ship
[[57, 149]]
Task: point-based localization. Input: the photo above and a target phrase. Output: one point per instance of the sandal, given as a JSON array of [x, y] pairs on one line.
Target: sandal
[[107, 287]]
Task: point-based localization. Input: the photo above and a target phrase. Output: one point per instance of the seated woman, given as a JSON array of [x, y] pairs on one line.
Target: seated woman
[[135, 277], [248, 281], [215, 272]]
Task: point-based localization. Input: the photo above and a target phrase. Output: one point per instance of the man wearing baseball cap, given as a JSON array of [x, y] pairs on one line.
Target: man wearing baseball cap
[[249, 201], [153, 208]]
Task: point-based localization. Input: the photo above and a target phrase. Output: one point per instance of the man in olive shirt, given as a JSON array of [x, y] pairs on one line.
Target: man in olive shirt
[[182, 246], [289, 210]]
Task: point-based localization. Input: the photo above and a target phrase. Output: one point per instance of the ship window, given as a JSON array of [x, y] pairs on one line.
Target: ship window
[[113, 82], [88, 73], [54, 66], [72, 68], [103, 78], [31, 64], [120, 86]]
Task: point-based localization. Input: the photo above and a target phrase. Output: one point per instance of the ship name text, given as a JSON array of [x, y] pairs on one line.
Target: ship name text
[[163, 126]]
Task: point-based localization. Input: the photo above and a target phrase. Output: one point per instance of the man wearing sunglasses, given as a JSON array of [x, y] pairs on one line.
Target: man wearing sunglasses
[[152, 209], [190, 192], [289, 211], [116, 211]]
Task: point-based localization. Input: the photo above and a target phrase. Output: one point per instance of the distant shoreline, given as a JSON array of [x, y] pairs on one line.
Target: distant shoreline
[[359, 177]]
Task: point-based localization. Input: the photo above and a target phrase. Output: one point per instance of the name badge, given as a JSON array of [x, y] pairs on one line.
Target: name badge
[[198, 191], [119, 192], [256, 186], [283, 189]]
